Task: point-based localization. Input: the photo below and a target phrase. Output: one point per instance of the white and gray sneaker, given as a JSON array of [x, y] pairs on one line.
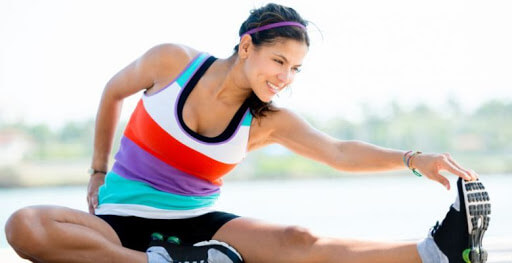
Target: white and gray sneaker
[[460, 235], [170, 251]]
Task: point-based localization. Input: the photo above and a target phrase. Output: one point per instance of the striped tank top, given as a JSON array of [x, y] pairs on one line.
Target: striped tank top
[[165, 170]]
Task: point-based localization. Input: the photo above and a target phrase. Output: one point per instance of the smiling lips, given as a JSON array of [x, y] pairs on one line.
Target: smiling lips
[[273, 88]]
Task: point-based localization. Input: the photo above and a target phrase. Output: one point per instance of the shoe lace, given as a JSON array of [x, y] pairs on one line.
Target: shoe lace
[[434, 229]]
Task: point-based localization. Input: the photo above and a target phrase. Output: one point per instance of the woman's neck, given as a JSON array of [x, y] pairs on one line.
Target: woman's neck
[[232, 86]]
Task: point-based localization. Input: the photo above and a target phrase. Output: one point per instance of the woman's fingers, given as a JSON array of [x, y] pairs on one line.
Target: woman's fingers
[[448, 165], [472, 175], [432, 164], [441, 179], [93, 203], [454, 163]]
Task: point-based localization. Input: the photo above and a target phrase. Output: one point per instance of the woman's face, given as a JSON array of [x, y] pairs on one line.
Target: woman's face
[[270, 68]]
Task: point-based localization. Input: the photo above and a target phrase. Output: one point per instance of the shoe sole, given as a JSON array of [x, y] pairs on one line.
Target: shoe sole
[[478, 209]]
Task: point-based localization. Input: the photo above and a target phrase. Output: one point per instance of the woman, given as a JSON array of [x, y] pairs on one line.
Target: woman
[[196, 120]]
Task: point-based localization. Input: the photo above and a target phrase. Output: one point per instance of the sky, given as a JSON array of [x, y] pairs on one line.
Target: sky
[[57, 55]]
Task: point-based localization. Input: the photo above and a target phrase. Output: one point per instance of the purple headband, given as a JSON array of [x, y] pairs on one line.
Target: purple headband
[[273, 25]]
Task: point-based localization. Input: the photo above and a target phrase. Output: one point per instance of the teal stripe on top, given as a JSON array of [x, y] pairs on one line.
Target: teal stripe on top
[[247, 119], [187, 74], [119, 190]]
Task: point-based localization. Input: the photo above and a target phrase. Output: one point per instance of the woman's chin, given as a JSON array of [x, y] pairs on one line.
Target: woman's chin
[[265, 98], [268, 99]]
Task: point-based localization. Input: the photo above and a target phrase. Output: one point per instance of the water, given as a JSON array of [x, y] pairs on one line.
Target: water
[[364, 207]]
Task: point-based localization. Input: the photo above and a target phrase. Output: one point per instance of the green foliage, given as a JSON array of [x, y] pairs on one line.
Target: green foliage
[[487, 130], [72, 141]]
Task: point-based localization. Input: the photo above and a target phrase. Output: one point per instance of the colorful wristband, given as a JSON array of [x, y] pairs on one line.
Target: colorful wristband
[[408, 156], [405, 158], [414, 171]]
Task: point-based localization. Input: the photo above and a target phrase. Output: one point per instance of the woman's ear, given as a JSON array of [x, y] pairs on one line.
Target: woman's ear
[[245, 46]]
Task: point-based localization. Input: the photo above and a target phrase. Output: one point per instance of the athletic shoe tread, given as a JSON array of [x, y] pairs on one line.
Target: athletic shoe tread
[[460, 234]]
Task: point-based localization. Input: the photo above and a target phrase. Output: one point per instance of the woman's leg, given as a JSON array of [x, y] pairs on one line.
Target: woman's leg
[[59, 234], [262, 242]]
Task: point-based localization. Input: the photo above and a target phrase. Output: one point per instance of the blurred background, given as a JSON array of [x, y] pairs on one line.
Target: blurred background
[[433, 76]]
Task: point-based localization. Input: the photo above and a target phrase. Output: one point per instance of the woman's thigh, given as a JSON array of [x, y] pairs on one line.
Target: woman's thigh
[[81, 218], [259, 241], [54, 225]]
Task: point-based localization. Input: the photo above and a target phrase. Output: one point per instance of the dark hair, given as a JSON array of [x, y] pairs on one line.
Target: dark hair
[[268, 14]]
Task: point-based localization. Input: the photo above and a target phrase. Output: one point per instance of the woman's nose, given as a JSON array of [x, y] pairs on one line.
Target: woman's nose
[[285, 76]]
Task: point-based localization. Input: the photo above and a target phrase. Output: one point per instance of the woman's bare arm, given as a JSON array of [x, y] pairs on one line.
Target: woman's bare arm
[[290, 130]]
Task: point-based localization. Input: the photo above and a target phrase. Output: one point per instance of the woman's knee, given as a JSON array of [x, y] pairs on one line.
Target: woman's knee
[[24, 230], [298, 237]]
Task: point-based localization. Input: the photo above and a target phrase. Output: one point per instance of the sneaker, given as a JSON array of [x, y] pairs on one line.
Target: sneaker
[[460, 234], [211, 251]]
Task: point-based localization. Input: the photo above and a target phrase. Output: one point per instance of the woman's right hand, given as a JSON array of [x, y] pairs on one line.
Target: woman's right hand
[[95, 182]]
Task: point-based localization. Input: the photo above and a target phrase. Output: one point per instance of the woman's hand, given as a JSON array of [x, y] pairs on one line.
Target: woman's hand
[[95, 182], [430, 166]]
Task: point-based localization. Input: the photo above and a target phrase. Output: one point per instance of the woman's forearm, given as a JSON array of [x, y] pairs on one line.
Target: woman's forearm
[[358, 156], [107, 119]]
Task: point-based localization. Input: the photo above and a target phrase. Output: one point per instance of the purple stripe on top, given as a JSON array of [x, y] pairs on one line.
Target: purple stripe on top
[[133, 162]]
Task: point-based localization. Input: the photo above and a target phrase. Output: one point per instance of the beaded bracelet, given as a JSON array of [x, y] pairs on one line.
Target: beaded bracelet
[[407, 158]]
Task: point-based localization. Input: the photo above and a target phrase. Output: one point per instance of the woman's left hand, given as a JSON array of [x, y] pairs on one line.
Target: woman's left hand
[[430, 165]]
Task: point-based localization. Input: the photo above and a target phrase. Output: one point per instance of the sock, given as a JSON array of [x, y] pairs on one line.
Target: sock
[[456, 204], [429, 252], [158, 255], [216, 256]]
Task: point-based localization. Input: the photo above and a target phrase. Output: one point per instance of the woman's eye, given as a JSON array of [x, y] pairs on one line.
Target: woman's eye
[[297, 70], [279, 61]]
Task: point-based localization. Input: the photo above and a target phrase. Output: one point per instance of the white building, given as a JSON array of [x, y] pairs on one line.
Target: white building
[[14, 145]]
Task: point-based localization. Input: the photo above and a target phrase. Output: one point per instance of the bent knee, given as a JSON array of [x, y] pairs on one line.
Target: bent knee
[[296, 236], [23, 228]]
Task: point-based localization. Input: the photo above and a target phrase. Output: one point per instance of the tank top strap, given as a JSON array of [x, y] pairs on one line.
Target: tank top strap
[[191, 68]]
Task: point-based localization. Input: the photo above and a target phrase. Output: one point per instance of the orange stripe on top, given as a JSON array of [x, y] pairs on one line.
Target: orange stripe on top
[[146, 133]]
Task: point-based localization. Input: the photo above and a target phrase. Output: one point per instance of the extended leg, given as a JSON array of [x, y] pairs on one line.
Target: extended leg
[[261, 242]]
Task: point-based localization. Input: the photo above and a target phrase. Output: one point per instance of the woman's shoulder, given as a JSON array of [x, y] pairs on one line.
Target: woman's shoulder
[[167, 60], [276, 119], [171, 55], [278, 123]]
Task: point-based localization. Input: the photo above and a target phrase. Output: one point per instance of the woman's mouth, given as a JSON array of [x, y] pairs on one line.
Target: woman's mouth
[[273, 88]]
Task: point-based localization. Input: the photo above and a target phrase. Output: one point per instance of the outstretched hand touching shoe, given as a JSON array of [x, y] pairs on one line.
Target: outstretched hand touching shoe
[[430, 165]]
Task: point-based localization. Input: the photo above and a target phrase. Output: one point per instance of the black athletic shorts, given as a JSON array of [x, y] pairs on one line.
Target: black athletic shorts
[[135, 232]]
